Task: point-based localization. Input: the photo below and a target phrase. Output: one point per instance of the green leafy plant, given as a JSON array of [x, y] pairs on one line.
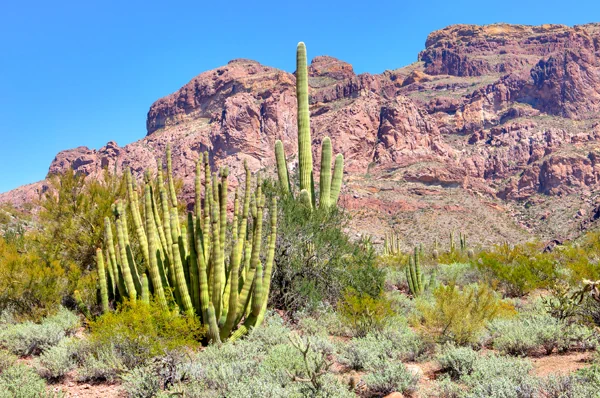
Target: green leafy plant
[[363, 313], [518, 269], [459, 315], [137, 333]]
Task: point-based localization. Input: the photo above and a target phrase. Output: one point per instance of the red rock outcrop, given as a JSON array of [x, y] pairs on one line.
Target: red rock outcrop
[[500, 112]]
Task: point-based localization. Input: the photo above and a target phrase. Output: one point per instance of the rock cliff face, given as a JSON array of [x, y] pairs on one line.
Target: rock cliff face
[[495, 131]]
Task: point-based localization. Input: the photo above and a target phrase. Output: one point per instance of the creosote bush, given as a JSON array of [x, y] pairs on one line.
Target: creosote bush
[[518, 269], [363, 313], [138, 332], [30, 287], [459, 315]]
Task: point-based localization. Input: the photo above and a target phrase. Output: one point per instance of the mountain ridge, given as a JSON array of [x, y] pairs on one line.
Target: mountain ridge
[[495, 126]]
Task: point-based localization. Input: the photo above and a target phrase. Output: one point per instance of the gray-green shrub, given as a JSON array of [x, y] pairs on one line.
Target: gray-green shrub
[[457, 361], [30, 338], [141, 382], [391, 377], [20, 381], [57, 361]]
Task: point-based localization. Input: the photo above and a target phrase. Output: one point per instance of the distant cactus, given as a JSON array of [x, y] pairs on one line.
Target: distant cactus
[[414, 276], [452, 248], [463, 241], [391, 244]]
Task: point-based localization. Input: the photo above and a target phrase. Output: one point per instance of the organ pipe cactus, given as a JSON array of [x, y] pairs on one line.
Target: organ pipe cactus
[[330, 184], [463, 241], [414, 276], [192, 266], [391, 244]]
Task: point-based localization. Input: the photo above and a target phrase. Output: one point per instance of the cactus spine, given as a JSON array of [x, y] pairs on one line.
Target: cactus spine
[[330, 184], [187, 266]]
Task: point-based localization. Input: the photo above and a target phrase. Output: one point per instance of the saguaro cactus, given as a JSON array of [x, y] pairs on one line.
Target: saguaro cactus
[[187, 263], [329, 185]]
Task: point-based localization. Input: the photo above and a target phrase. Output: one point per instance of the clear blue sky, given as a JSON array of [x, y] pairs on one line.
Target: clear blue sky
[[85, 72]]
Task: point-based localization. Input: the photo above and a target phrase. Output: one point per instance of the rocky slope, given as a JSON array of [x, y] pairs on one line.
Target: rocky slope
[[494, 131]]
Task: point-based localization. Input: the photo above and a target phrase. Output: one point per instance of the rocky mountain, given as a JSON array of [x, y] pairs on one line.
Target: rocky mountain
[[494, 131]]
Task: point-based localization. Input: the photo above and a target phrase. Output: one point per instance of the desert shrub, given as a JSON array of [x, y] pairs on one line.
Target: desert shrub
[[401, 303], [72, 213], [367, 352], [391, 377], [499, 377], [364, 313], [316, 261], [405, 343], [283, 363], [581, 259], [141, 382], [32, 338], [57, 361], [272, 332], [311, 326], [567, 386], [29, 286], [99, 364], [562, 303], [539, 331], [457, 361], [444, 387], [20, 381], [518, 269], [460, 274], [329, 321], [138, 332], [7, 359], [459, 316]]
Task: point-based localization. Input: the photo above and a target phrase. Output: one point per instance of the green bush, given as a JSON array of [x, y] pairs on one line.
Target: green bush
[[7, 359], [461, 274], [391, 377], [539, 331], [20, 381], [272, 332], [498, 376], [29, 286], [141, 382], [568, 386], [99, 364], [30, 338], [459, 316], [316, 261], [457, 361], [364, 314], [57, 361], [407, 345], [519, 269], [367, 352], [138, 332]]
